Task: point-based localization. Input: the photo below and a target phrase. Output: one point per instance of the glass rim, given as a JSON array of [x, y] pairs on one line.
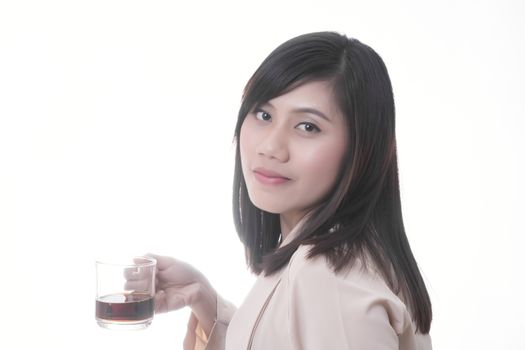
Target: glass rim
[[114, 262]]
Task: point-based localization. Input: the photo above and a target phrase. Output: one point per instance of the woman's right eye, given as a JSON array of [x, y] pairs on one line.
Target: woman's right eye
[[262, 115]]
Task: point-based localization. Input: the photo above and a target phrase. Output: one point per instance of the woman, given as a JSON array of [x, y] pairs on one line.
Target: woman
[[317, 205]]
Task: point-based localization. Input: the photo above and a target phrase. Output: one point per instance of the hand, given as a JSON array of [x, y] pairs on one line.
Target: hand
[[179, 284]]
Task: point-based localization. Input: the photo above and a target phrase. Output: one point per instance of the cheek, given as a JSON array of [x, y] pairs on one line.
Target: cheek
[[245, 142], [323, 163]]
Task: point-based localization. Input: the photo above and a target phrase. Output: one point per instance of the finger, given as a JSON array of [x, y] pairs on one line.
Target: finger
[[163, 262], [161, 305], [178, 297], [141, 285], [137, 273], [165, 302], [173, 298], [144, 260]]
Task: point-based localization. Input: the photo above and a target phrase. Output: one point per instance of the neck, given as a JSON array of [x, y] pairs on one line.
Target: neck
[[288, 222], [286, 226]]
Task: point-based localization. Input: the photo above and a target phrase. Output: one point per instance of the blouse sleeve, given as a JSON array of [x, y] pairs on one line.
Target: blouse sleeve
[[196, 338], [354, 311]]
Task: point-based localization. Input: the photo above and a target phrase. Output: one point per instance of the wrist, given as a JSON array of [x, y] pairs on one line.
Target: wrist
[[204, 305]]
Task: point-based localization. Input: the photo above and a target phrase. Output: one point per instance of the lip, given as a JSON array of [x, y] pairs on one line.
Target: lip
[[269, 177]]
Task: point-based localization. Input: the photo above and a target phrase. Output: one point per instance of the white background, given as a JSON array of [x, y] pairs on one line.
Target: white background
[[116, 126]]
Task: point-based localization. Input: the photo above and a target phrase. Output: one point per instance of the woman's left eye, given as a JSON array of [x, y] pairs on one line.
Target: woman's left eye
[[308, 127]]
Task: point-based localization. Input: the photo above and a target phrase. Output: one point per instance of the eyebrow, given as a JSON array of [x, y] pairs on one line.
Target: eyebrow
[[305, 110]]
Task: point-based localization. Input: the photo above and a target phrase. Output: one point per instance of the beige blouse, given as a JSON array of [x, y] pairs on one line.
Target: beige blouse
[[305, 306]]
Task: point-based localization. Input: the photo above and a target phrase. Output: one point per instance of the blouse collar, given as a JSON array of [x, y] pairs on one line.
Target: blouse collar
[[294, 232]]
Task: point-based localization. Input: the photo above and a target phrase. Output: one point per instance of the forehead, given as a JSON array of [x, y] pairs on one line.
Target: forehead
[[314, 94]]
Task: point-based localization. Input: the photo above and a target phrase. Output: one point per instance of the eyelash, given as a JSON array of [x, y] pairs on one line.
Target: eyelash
[[306, 124]]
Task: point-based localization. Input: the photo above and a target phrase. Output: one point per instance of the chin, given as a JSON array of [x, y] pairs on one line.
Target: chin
[[268, 206]]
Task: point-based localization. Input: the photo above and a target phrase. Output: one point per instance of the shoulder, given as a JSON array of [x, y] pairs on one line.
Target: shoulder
[[301, 266], [360, 292]]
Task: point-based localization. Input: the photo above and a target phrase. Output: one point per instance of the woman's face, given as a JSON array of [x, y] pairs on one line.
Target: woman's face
[[291, 149]]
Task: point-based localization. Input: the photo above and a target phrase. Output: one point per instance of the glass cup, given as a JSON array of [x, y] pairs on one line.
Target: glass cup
[[125, 293]]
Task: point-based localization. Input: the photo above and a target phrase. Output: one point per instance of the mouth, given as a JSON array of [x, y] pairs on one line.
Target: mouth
[[269, 177]]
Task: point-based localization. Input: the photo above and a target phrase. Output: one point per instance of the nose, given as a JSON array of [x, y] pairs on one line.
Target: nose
[[274, 145]]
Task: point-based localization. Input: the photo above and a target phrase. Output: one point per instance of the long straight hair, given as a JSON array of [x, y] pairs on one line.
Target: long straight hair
[[361, 215]]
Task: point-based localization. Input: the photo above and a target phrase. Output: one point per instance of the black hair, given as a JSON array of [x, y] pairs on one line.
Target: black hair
[[361, 215]]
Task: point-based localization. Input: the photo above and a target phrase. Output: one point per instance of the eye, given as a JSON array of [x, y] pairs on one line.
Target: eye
[[262, 115], [308, 127]]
